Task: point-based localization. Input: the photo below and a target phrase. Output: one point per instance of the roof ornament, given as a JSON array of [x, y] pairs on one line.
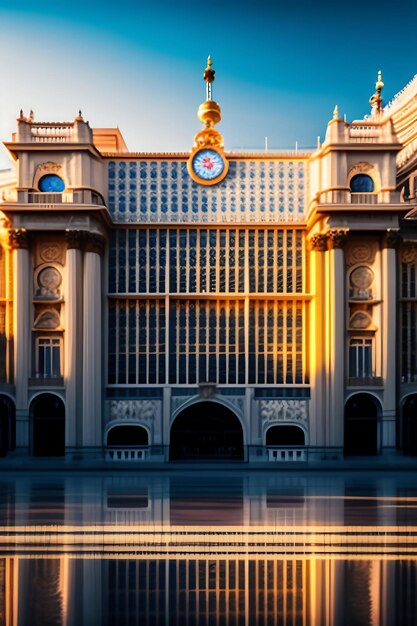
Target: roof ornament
[[376, 100], [336, 113], [209, 78], [21, 117], [79, 117]]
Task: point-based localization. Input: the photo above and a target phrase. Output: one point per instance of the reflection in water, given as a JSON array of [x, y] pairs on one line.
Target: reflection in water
[[245, 549]]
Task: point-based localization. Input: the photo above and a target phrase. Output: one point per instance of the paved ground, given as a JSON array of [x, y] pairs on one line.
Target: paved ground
[[50, 464]]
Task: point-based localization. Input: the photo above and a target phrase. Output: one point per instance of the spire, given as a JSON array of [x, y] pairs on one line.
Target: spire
[[376, 100], [336, 113], [209, 78], [209, 112]]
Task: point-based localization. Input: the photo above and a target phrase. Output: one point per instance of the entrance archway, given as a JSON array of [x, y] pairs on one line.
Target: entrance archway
[[409, 425], [206, 431], [361, 425], [7, 425], [48, 420]]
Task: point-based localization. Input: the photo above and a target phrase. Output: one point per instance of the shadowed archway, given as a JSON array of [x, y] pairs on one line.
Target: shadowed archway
[[48, 419], [206, 431], [409, 425], [7, 425], [361, 425], [127, 435]]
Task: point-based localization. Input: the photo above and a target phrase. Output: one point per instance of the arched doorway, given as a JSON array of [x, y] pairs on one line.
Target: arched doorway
[[127, 435], [283, 435], [361, 425], [206, 431], [7, 425], [48, 420], [409, 425]]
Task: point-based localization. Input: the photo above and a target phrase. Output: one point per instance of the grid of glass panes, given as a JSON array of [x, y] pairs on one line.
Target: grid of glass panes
[[360, 358], [257, 190], [223, 341], [276, 342], [206, 260], [48, 357], [207, 342], [137, 342], [408, 290]]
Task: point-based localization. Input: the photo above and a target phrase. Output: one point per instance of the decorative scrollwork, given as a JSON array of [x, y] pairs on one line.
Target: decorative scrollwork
[[283, 410]]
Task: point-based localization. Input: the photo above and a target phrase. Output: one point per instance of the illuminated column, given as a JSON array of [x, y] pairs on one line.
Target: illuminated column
[[318, 245], [21, 331], [335, 338], [73, 336], [389, 331], [92, 341]]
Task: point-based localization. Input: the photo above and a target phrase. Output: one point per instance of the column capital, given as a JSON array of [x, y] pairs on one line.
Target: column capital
[[19, 239], [336, 239], [93, 242], [318, 242], [75, 239], [391, 239]]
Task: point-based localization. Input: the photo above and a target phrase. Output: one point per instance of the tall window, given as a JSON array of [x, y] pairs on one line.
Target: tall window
[[360, 358], [48, 353]]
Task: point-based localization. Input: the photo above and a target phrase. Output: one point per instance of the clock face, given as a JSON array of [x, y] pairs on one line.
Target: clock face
[[208, 164]]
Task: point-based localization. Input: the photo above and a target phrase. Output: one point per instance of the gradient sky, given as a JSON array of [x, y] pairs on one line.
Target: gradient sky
[[281, 66]]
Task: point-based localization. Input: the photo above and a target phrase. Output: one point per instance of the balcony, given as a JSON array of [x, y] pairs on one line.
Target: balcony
[[78, 196]]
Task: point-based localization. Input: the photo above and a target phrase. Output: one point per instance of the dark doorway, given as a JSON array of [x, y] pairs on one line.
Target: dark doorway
[[7, 425], [361, 426], [285, 436], [48, 419], [409, 438], [207, 431], [127, 436]]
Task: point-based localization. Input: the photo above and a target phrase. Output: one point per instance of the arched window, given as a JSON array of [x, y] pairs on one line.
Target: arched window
[[285, 436], [51, 183], [361, 183]]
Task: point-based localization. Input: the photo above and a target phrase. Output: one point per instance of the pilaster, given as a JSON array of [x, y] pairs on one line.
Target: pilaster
[[92, 341], [316, 348], [73, 337], [335, 339], [390, 243]]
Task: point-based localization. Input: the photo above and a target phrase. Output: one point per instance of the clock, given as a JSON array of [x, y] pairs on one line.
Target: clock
[[207, 166]]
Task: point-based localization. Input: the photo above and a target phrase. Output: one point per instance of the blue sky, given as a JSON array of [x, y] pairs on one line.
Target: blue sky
[[281, 66]]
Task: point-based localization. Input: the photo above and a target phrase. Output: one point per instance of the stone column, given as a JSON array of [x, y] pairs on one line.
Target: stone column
[[73, 337], [316, 349], [22, 331], [389, 336], [336, 337], [92, 425]]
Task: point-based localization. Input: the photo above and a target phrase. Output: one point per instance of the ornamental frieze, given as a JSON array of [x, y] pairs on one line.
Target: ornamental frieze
[[283, 410], [144, 410]]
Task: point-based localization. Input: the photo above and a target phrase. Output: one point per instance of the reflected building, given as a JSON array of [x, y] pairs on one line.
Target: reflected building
[[206, 591], [212, 304]]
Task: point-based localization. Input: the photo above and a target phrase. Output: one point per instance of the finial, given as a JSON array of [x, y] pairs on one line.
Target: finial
[[79, 117], [209, 78], [379, 84], [21, 117], [336, 113], [376, 100], [31, 116]]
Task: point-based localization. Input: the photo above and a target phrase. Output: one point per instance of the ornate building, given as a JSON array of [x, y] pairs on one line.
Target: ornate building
[[211, 304]]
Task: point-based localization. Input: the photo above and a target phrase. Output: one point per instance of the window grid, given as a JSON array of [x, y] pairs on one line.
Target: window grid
[[48, 357], [222, 341], [206, 260], [408, 292], [361, 358]]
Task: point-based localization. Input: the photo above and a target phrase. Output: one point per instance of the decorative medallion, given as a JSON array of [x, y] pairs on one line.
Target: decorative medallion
[[360, 252], [207, 164], [362, 277], [49, 279], [408, 253], [50, 252]]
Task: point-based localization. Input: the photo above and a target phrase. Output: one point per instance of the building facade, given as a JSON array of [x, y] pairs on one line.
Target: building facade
[[210, 304]]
